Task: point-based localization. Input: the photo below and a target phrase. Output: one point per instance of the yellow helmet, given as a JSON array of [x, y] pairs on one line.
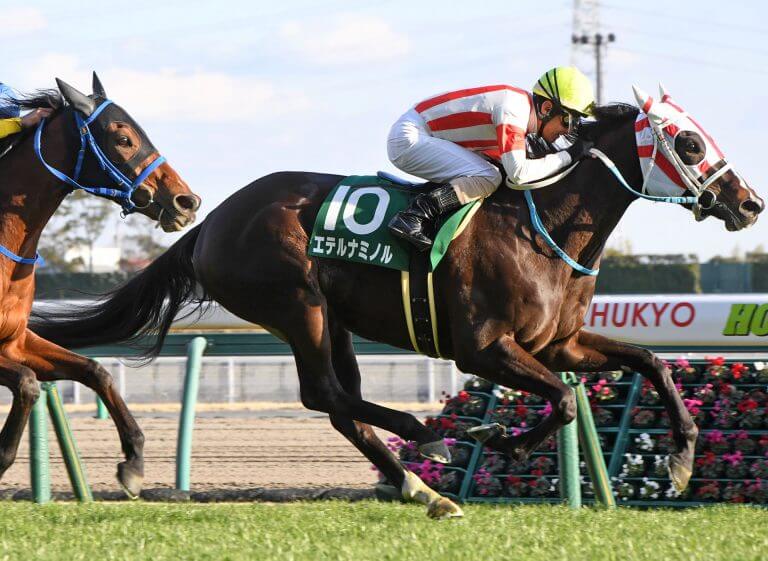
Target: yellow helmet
[[568, 87]]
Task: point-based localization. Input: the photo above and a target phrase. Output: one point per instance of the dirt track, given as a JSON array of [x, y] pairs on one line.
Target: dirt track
[[238, 450]]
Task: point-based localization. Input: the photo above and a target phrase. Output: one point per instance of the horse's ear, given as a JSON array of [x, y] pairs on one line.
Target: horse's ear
[[76, 98], [98, 89], [663, 93], [644, 101]]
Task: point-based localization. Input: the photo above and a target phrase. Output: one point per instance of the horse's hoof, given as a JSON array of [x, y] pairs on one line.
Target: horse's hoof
[[443, 508], [130, 479], [436, 451], [679, 472], [483, 433]]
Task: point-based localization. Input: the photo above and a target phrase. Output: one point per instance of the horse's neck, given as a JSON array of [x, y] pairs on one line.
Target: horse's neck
[[29, 194], [580, 212]]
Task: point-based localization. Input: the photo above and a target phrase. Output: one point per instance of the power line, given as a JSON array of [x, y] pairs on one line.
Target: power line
[[688, 40], [702, 62], [655, 15]]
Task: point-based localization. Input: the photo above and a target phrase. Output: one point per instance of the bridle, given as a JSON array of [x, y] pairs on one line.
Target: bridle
[[125, 187], [123, 191], [697, 184]]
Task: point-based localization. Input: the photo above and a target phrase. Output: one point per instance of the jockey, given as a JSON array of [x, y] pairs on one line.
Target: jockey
[[11, 121], [447, 138]]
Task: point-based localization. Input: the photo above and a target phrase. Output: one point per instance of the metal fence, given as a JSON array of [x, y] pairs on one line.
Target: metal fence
[[238, 379]]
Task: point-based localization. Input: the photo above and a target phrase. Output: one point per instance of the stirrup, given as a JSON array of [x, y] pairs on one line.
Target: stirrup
[[400, 228]]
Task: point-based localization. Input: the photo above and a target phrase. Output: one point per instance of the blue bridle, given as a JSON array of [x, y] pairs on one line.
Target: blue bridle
[[125, 186], [123, 190], [538, 225]]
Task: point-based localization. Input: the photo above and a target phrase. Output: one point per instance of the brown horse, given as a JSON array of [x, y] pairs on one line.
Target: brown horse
[[29, 195], [509, 309]]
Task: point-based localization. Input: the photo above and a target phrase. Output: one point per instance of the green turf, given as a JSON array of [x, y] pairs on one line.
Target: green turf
[[376, 531]]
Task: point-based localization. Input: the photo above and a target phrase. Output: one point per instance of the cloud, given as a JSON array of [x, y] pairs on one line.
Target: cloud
[[21, 21], [171, 95], [351, 39]]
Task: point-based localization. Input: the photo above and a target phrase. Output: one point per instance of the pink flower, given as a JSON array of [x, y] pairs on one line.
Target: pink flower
[[692, 405], [734, 459], [682, 363], [715, 436]]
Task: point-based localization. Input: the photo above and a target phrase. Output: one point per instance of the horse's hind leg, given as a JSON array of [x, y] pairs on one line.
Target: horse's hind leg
[[364, 439], [588, 352], [360, 434], [23, 385], [310, 340], [52, 362]]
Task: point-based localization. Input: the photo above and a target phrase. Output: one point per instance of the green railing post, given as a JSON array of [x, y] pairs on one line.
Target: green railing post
[[568, 460], [593, 453], [38, 451], [622, 437], [195, 350], [101, 410], [67, 444]]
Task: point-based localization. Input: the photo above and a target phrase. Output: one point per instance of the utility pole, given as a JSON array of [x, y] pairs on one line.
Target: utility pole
[[588, 44], [600, 42]]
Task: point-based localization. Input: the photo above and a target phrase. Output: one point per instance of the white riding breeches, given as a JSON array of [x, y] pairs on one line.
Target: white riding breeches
[[412, 148]]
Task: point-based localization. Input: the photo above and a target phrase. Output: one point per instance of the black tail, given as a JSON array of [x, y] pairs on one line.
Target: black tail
[[144, 306]]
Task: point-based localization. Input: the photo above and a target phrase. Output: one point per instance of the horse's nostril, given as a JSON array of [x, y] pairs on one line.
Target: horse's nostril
[[186, 202], [751, 207]]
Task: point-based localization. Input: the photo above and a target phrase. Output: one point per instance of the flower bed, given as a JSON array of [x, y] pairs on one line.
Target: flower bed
[[728, 401]]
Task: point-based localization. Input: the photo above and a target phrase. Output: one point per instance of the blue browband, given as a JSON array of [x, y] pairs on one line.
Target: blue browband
[[125, 186]]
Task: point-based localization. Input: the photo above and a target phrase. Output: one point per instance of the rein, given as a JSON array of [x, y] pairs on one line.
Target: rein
[[123, 190], [538, 225]]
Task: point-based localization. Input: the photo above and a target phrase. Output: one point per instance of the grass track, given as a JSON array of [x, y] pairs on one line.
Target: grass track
[[375, 531]]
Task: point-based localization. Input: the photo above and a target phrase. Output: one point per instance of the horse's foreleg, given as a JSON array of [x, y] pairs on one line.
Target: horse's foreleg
[[23, 385], [365, 440], [588, 352], [506, 363], [52, 362]]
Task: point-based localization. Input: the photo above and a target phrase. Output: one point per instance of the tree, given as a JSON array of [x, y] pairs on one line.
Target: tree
[[142, 243], [79, 222]]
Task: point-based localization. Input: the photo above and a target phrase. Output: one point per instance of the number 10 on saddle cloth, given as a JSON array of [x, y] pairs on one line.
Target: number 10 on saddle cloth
[[352, 224]]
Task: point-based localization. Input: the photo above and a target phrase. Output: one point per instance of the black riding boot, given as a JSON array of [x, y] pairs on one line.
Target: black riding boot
[[416, 224]]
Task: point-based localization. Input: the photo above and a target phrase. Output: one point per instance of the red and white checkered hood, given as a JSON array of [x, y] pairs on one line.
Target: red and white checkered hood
[[664, 173]]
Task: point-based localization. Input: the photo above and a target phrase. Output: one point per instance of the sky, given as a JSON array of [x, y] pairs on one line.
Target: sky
[[231, 90]]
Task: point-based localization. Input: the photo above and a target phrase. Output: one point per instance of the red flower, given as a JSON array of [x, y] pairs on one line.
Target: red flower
[[716, 360], [738, 370], [463, 397], [746, 405]]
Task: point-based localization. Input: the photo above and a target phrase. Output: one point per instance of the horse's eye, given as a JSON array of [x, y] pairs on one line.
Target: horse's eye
[[692, 146], [123, 141]]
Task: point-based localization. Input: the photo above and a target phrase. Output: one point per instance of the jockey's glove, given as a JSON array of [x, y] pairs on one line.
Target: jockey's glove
[[579, 149]]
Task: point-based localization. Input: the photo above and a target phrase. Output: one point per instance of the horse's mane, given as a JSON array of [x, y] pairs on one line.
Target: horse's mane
[[607, 117], [39, 99]]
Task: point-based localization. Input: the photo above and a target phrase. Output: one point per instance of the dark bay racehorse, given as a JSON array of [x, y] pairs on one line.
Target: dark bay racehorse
[[118, 157], [509, 309]]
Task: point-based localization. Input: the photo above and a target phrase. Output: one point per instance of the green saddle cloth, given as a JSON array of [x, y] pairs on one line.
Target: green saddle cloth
[[352, 224]]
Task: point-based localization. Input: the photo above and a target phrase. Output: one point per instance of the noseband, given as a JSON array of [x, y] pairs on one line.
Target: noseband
[[124, 186]]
